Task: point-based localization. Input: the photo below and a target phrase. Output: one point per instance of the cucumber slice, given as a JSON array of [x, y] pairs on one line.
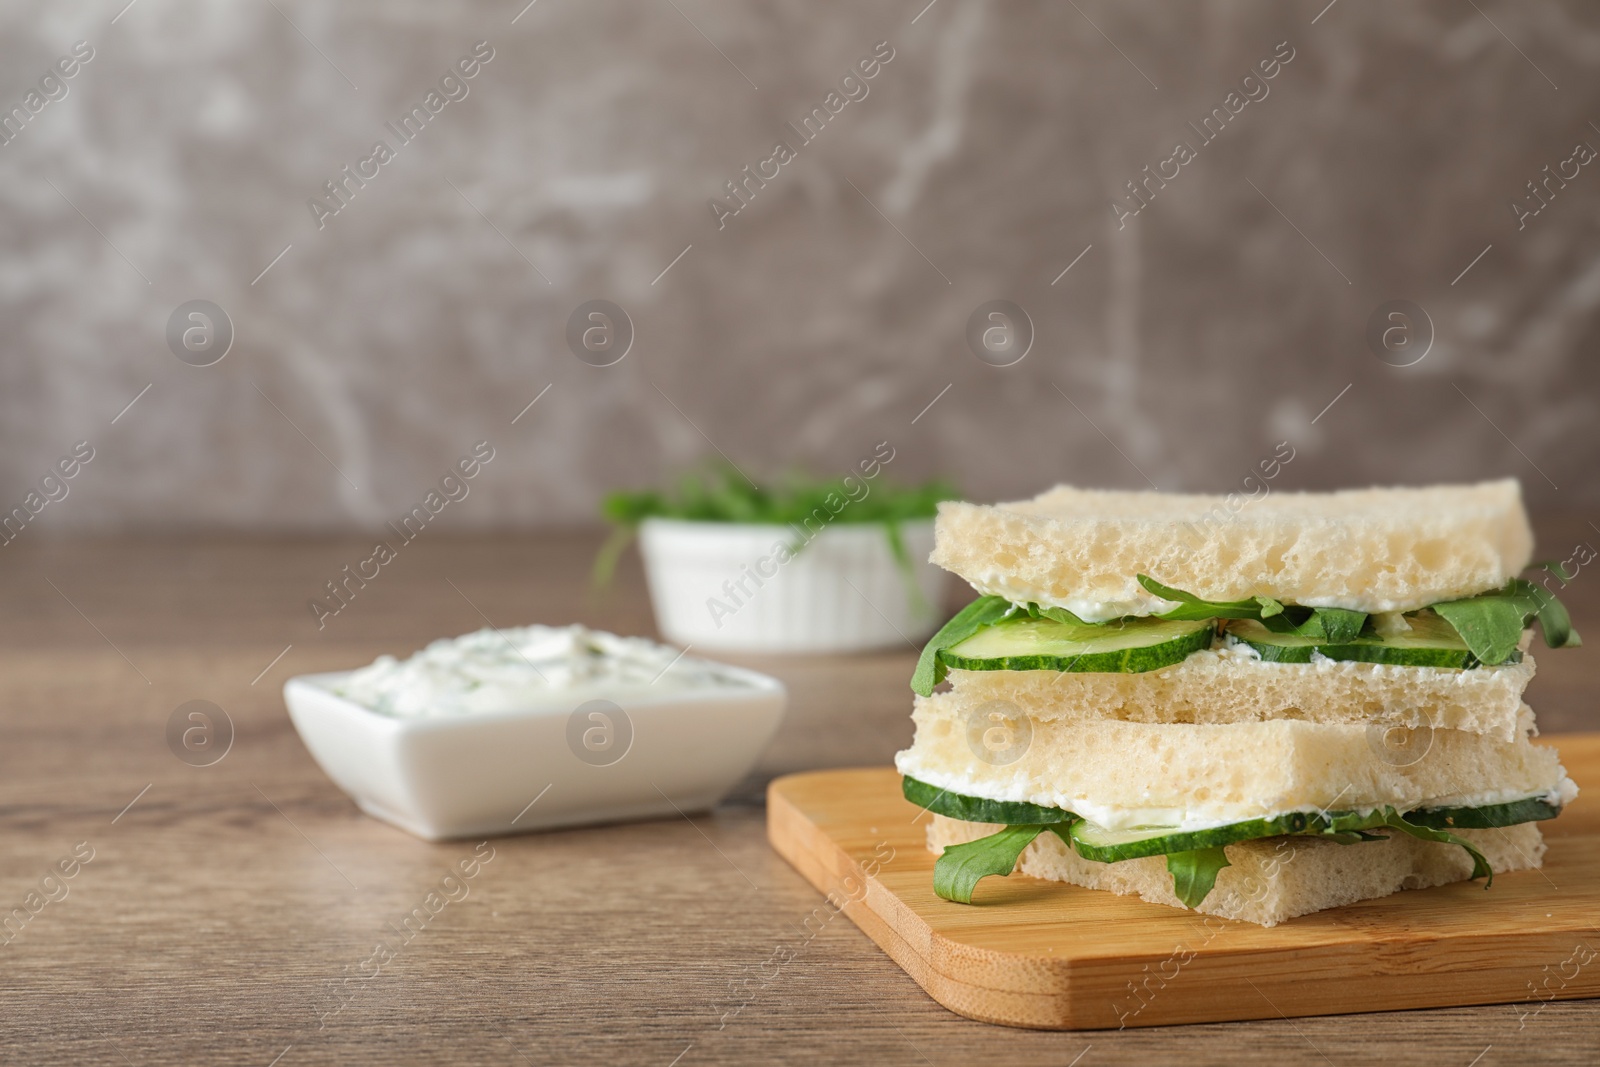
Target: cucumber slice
[[1127, 646], [1431, 642], [1108, 846], [979, 809], [1529, 809]]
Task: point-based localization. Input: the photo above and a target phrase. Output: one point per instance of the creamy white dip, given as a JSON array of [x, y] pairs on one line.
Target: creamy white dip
[[524, 668]]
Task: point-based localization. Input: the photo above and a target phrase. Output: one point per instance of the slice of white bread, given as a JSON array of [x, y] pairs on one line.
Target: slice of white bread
[[1369, 550], [1229, 685], [1128, 774], [1275, 878]]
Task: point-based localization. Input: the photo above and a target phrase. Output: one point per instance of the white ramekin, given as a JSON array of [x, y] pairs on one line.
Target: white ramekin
[[841, 592], [510, 772]]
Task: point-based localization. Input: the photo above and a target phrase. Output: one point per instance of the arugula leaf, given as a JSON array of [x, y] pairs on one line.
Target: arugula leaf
[[1552, 615], [1480, 865], [1340, 624], [721, 493], [605, 561], [1349, 837], [1192, 608], [1334, 625], [1360, 824], [1195, 873], [957, 872], [1557, 568], [1036, 611], [1331, 624], [1492, 623], [981, 613]]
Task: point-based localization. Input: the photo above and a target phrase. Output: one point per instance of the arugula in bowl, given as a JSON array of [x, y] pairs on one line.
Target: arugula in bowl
[[804, 503]]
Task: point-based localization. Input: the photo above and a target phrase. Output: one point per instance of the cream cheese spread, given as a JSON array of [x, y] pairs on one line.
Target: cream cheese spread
[[525, 668]]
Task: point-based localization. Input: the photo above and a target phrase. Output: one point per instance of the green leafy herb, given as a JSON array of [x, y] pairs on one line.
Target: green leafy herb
[[1557, 568], [804, 503], [957, 872], [981, 613], [1334, 625], [1349, 837], [1339, 624], [1191, 607], [1480, 864], [1331, 624], [1195, 873], [1035, 611], [1360, 823], [1492, 623], [1552, 616]]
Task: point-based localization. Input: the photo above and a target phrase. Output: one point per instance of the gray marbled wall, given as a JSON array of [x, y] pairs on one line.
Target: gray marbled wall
[[984, 158]]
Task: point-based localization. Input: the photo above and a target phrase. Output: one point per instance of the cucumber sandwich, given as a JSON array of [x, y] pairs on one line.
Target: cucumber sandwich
[[1255, 711]]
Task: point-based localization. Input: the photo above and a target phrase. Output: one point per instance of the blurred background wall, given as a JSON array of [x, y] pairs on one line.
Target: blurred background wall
[[374, 346]]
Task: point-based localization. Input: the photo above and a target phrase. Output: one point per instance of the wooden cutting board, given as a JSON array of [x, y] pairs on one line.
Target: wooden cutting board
[[1053, 956]]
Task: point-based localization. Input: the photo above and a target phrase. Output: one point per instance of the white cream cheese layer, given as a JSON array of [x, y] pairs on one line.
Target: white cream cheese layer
[[1087, 608], [524, 668]]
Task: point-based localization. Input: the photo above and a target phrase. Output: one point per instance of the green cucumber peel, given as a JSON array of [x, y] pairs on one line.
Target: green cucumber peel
[[1194, 873], [1430, 642], [977, 809], [957, 872], [1125, 646], [1487, 817]]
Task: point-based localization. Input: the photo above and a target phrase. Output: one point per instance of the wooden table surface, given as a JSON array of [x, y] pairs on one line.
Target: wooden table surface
[[226, 910]]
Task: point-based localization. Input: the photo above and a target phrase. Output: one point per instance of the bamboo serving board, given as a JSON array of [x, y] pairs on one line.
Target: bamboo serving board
[[1052, 956]]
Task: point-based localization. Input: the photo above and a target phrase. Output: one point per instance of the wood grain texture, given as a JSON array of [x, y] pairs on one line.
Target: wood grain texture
[[1042, 954], [215, 922]]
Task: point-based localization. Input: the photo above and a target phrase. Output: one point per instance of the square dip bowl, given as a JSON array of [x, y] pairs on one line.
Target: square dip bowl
[[563, 761]]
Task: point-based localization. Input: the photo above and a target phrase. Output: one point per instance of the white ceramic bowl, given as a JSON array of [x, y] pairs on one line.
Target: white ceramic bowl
[[842, 592], [475, 775]]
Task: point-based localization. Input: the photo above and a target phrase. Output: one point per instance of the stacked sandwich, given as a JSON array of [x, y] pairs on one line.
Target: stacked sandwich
[[1256, 712]]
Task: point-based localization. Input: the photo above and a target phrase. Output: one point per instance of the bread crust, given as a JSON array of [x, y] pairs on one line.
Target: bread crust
[[1370, 550]]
